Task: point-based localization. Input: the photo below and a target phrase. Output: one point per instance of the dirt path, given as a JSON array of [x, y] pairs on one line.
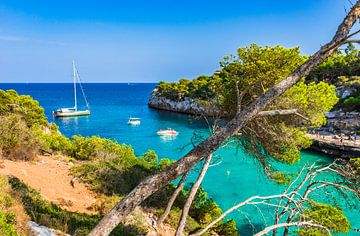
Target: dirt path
[[50, 176]]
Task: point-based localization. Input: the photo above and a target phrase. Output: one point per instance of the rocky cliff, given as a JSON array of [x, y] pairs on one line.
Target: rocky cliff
[[187, 105]]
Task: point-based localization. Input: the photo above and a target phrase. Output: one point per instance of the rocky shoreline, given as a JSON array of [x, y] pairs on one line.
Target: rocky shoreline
[[186, 106], [326, 141]]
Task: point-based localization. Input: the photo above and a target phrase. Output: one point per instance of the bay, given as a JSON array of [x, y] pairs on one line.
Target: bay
[[237, 176]]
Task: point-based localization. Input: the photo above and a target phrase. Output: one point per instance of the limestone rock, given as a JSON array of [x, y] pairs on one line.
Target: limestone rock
[[40, 230]]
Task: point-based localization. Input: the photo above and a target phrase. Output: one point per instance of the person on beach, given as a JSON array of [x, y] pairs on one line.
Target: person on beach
[[341, 138], [355, 137]]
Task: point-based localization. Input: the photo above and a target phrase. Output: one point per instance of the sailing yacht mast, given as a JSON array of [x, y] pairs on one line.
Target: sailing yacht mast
[[74, 75]]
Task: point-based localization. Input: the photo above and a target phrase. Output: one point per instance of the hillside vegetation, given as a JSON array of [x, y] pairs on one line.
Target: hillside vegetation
[[110, 169]]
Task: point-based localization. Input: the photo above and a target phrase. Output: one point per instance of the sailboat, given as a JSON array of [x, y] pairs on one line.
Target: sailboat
[[73, 111]]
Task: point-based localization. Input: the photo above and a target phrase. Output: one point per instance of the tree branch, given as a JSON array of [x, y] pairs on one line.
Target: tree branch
[[191, 196], [282, 113], [172, 199], [303, 223]]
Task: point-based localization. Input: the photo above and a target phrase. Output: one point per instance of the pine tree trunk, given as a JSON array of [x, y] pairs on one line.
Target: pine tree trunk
[[172, 199], [191, 196], [153, 183]]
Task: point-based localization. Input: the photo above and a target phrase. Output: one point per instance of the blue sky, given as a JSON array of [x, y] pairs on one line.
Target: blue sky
[[149, 41]]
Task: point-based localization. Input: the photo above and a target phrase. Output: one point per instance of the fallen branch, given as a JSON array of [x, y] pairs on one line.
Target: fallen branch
[[303, 223]]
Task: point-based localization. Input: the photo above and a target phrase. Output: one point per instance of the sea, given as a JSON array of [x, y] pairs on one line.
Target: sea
[[234, 175]]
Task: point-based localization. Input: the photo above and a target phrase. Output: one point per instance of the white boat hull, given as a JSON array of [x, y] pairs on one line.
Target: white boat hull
[[71, 113], [134, 122], [167, 133]]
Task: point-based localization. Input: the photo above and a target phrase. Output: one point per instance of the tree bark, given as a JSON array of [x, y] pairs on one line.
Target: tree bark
[[172, 199], [191, 196], [153, 183]]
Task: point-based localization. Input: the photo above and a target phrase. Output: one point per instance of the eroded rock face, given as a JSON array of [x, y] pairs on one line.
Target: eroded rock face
[[187, 105], [348, 90], [342, 122], [336, 150], [40, 230]]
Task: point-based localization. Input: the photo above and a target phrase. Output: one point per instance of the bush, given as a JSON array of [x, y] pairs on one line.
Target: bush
[[326, 215], [353, 101], [25, 106], [7, 216], [17, 140], [88, 148], [54, 141], [115, 175], [103, 204]]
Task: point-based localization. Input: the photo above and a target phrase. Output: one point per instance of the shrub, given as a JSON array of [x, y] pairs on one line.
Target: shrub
[[88, 148], [326, 215], [17, 140], [7, 216], [103, 204], [25, 106], [54, 141]]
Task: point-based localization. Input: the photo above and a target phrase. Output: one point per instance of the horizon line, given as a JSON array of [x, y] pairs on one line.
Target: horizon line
[[82, 82]]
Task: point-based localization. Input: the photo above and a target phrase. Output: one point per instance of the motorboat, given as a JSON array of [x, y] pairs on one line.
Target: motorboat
[[133, 121], [167, 132]]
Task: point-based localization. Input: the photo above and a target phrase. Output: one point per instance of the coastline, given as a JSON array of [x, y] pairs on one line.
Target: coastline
[[327, 144], [331, 146]]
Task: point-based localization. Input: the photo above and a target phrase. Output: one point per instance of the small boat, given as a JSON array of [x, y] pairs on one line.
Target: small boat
[[167, 132], [73, 111], [134, 121]]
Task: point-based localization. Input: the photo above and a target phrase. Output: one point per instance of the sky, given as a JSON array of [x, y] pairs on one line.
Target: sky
[[150, 41]]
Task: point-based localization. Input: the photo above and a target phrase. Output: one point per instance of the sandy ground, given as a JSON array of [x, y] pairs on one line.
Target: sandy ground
[[50, 176]]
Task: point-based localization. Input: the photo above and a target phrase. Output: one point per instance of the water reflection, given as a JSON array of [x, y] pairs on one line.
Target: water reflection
[[71, 121], [167, 138]]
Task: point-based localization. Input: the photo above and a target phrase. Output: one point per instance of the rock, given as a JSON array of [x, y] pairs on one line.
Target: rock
[[40, 230], [335, 150], [187, 105]]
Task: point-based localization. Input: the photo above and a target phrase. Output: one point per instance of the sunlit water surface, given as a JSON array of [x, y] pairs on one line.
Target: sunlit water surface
[[235, 178]]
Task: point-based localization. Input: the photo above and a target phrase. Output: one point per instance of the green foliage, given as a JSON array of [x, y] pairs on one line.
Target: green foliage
[[330, 217], [103, 204], [174, 217], [150, 158], [340, 64], [7, 216], [355, 162], [88, 148], [202, 88], [25, 106], [256, 69], [117, 173], [352, 101], [227, 228], [53, 141], [50, 215], [7, 225], [17, 140], [280, 178], [203, 210]]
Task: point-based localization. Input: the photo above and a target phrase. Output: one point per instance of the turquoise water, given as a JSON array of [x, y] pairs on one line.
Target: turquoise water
[[236, 178]]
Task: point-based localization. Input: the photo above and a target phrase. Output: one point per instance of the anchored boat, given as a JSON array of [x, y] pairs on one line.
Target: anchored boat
[[73, 111], [167, 132], [134, 121]]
